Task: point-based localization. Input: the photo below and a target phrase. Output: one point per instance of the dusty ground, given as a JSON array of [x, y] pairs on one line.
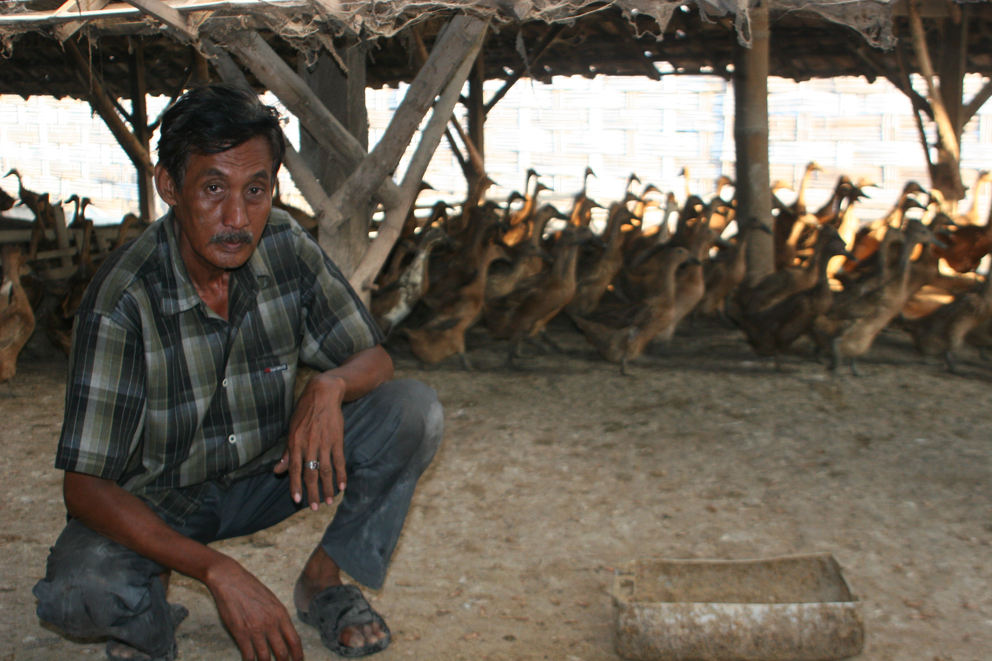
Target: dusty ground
[[551, 476]]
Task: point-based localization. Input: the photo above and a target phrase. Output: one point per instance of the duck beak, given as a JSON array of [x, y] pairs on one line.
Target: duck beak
[[937, 242]]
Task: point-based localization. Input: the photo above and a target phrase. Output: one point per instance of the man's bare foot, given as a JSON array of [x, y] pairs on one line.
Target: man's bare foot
[[320, 573]]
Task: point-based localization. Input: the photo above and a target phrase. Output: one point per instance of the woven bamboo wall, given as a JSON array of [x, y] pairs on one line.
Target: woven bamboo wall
[[615, 125]]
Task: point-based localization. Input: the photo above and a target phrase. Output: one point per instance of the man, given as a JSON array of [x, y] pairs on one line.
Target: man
[[180, 427]]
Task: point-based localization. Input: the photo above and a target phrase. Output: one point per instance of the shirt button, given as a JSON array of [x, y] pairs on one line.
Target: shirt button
[[231, 438], [224, 383]]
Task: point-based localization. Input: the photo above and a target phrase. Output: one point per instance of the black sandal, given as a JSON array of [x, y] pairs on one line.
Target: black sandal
[[338, 607]]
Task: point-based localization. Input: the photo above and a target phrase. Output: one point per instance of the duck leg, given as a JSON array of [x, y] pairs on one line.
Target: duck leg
[[514, 352], [551, 343], [467, 365], [834, 355], [854, 367], [951, 365], [540, 347]]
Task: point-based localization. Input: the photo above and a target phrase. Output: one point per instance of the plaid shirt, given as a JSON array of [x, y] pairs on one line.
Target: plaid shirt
[[165, 396]]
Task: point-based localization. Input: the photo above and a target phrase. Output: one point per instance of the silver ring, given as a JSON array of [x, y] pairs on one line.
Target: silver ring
[[313, 465]]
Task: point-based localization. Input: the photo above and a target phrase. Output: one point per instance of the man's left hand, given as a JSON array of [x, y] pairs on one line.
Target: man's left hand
[[316, 433]]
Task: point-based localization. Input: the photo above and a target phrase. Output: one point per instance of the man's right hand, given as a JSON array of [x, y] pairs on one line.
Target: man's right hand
[[255, 617]]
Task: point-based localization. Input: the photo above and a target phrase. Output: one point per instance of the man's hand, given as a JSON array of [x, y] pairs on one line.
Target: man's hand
[[316, 433], [255, 617]]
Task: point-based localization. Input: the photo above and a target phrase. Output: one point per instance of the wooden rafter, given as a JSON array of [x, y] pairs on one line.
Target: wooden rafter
[[100, 101], [65, 30], [539, 50]]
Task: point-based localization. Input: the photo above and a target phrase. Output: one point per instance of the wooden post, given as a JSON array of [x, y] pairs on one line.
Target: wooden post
[[139, 125], [344, 96], [754, 198], [477, 116]]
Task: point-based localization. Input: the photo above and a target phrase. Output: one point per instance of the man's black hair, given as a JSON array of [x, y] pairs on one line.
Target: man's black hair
[[212, 119]]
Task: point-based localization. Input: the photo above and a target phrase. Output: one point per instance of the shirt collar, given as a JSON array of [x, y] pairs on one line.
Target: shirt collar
[[180, 294]]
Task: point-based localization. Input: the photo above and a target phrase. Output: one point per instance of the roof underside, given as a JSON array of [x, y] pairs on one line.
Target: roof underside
[[625, 38]]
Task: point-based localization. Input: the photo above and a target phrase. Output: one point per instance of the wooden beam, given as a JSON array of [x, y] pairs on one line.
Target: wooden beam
[[389, 230], [977, 102], [458, 39], [535, 55], [65, 30], [168, 15], [139, 124], [474, 157], [754, 200], [281, 80], [101, 104], [945, 128]]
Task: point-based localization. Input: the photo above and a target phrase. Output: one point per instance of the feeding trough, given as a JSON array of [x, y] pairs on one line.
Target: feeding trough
[[796, 608]]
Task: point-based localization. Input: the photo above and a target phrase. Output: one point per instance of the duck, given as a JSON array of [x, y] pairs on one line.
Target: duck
[[723, 276], [7, 201], [943, 331], [77, 283], [16, 315], [444, 334], [851, 327], [391, 305], [594, 278], [581, 209], [620, 336], [867, 239], [520, 219], [771, 331], [966, 246], [690, 283], [524, 259], [526, 311], [79, 214]]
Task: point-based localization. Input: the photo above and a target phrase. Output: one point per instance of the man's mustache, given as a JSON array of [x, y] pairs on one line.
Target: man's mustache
[[233, 236]]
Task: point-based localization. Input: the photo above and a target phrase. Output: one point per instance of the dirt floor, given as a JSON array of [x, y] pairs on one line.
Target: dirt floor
[[551, 476]]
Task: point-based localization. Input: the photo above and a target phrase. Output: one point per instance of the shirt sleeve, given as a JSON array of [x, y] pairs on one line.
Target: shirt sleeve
[[105, 396], [337, 324]]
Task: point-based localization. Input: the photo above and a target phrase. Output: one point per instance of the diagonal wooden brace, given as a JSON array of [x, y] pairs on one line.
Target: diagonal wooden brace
[[430, 137], [273, 72]]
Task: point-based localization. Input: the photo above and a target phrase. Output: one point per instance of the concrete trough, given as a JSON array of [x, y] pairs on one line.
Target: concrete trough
[[794, 608]]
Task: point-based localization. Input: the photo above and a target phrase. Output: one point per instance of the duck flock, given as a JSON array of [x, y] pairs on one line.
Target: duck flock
[[516, 266]]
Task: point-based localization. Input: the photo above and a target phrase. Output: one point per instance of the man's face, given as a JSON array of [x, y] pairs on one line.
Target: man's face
[[222, 207]]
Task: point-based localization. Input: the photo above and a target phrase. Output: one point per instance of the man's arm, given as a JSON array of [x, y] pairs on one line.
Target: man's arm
[[316, 430], [255, 617]]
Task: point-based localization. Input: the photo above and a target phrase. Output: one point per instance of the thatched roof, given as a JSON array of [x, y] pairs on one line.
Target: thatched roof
[[809, 38]]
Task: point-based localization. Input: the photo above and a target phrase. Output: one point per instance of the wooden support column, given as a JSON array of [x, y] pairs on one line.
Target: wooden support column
[[344, 96], [477, 117], [754, 198], [139, 124]]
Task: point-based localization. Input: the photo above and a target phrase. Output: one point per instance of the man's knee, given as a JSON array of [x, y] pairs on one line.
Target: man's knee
[[92, 584], [413, 417]]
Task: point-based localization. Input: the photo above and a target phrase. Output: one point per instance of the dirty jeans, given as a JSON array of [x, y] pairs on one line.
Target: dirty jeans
[[96, 587]]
